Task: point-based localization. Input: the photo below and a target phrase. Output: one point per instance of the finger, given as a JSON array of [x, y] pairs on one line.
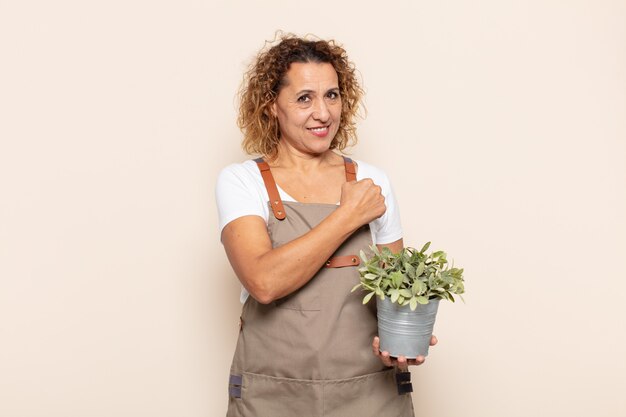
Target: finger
[[433, 340], [417, 361], [402, 363], [386, 358], [376, 346]]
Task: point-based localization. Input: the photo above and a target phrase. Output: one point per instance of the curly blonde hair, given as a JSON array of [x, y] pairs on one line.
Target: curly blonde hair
[[265, 77]]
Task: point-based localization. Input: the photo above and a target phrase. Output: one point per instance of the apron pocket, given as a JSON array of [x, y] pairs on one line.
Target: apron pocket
[[371, 395], [268, 396]]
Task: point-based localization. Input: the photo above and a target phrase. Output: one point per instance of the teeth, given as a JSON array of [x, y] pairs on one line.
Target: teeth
[[318, 129]]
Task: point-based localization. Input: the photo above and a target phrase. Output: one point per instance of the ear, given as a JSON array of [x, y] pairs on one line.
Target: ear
[[273, 109]]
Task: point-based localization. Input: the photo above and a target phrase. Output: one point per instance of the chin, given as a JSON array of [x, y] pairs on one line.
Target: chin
[[321, 149]]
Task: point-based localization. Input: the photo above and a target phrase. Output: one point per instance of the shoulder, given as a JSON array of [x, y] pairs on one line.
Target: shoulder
[[239, 191], [244, 175], [387, 228], [244, 171], [239, 183], [366, 170]]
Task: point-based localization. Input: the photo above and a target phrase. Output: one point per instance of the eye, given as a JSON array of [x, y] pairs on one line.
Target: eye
[[304, 99], [333, 95]]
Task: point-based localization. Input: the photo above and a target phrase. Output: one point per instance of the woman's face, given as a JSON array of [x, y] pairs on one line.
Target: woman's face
[[308, 107]]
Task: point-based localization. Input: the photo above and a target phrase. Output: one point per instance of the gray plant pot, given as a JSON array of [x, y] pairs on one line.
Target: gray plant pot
[[405, 332]]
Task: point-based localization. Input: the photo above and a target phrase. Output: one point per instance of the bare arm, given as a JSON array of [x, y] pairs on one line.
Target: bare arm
[[269, 274], [395, 247]]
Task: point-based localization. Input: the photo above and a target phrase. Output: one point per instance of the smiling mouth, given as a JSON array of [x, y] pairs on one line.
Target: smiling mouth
[[318, 129], [320, 132]]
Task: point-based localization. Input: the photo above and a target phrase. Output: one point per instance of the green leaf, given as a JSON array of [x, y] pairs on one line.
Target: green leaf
[[376, 270], [413, 303], [418, 287], [409, 277], [405, 293], [422, 300], [420, 269], [368, 297], [410, 270], [397, 278]]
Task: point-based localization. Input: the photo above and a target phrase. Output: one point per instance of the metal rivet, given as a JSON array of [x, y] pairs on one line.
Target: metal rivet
[[328, 263], [353, 260]]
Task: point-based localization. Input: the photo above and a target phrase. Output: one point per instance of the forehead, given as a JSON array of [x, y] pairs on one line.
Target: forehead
[[311, 75]]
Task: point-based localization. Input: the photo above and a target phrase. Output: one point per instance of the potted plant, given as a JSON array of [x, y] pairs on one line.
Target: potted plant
[[408, 285]]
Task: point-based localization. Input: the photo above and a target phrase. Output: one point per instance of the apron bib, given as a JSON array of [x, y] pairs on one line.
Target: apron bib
[[309, 354]]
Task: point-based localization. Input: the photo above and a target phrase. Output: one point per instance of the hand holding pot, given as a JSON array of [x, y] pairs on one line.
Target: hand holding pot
[[401, 362]]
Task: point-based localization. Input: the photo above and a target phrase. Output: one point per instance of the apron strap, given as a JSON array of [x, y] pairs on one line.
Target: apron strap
[[350, 169], [403, 381], [272, 191], [341, 261], [348, 260], [279, 209], [234, 385]]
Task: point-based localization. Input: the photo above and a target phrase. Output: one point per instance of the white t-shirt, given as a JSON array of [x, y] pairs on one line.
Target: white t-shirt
[[240, 191]]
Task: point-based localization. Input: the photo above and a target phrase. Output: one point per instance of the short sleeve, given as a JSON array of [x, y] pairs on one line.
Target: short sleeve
[[238, 195], [388, 227]]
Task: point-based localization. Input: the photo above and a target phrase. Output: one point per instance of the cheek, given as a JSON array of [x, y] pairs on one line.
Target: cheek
[[337, 113], [299, 118], [337, 108], [292, 119]]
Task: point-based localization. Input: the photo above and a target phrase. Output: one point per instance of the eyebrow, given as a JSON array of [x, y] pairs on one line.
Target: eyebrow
[[311, 91]]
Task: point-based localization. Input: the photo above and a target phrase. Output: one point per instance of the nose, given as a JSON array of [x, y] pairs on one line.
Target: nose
[[320, 111]]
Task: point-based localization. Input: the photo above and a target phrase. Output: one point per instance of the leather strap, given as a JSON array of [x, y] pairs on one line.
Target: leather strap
[[350, 169], [234, 386], [403, 380], [272, 191], [341, 261], [279, 210]]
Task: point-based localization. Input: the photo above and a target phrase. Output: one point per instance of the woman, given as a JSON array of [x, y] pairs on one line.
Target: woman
[[305, 343]]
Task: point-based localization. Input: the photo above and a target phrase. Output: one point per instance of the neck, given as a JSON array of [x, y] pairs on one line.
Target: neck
[[290, 158]]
